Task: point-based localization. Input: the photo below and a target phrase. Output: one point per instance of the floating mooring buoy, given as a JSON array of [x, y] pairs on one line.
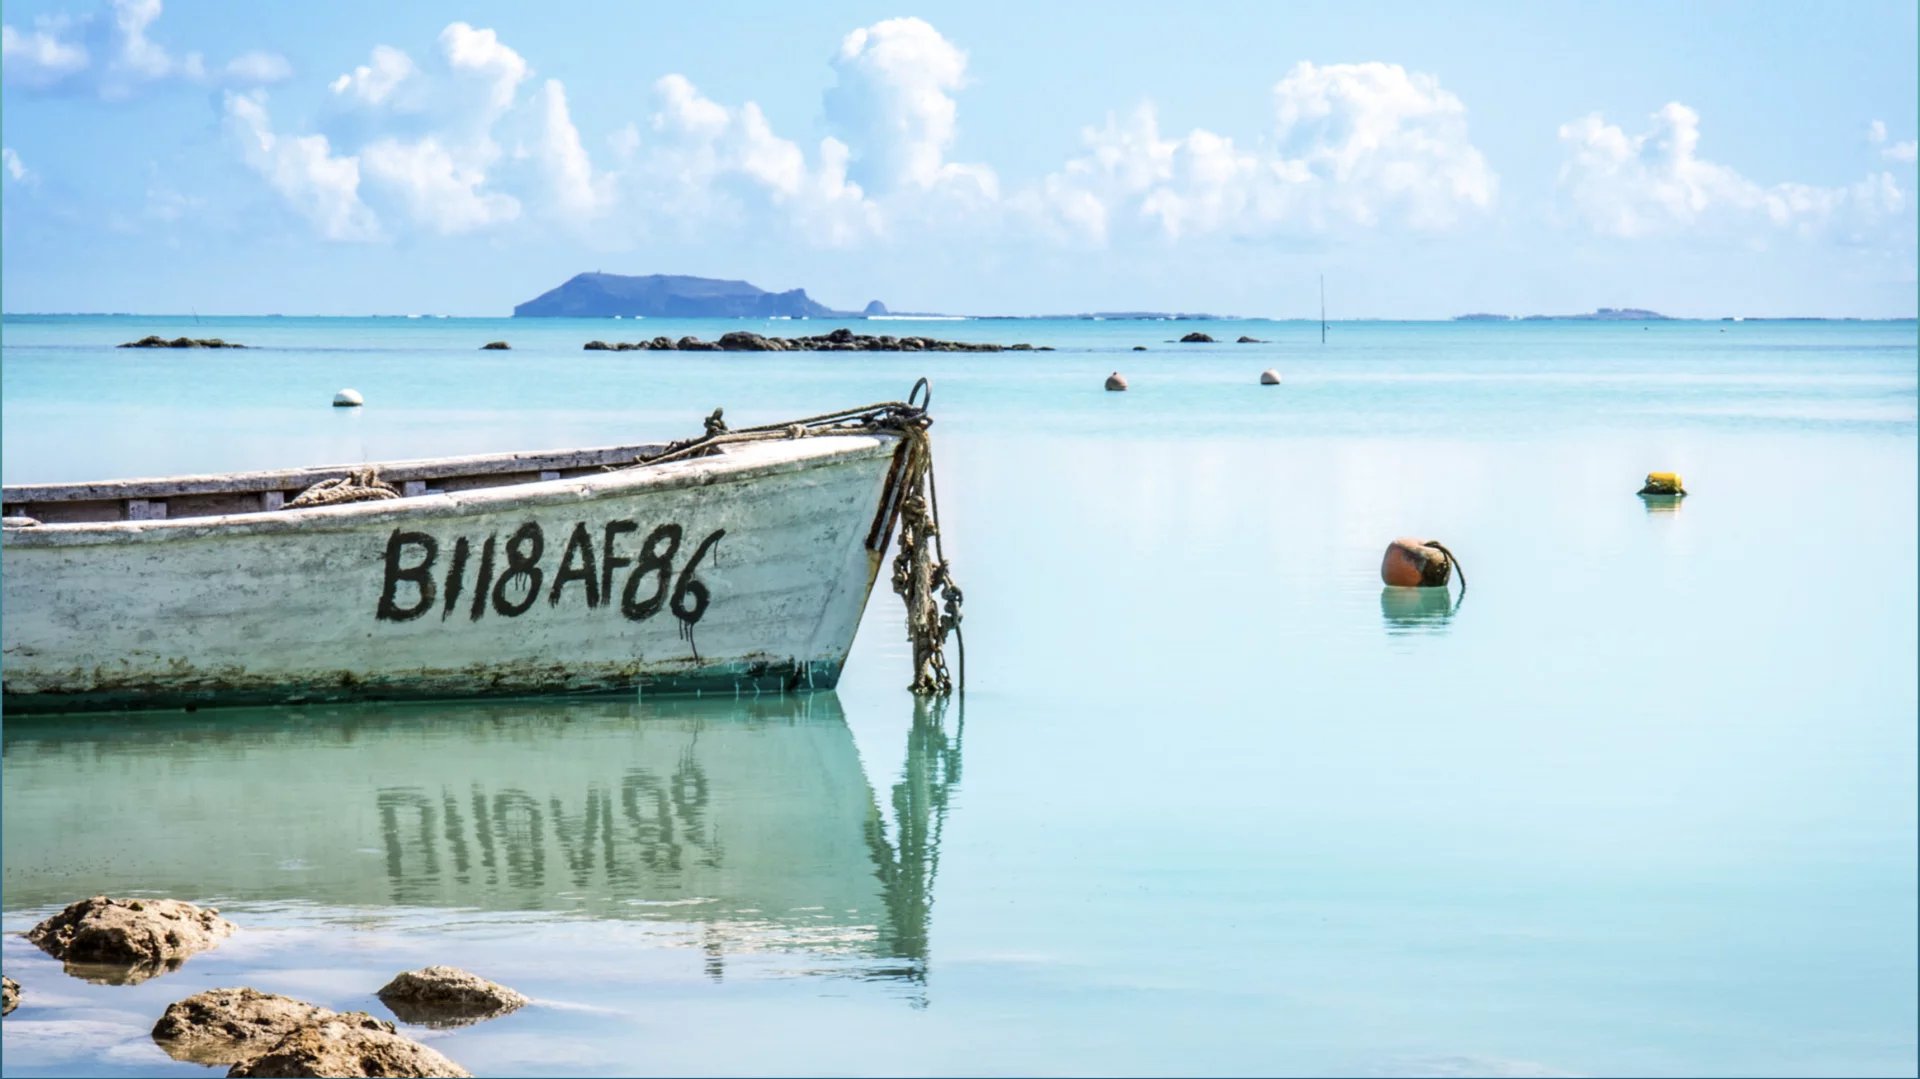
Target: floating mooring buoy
[[1269, 377], [1116, 381], [1664, 484], [348, 399], [1414, 563]]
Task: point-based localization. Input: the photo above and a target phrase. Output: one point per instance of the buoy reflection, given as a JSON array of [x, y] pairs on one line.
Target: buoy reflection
[[1416, 610]]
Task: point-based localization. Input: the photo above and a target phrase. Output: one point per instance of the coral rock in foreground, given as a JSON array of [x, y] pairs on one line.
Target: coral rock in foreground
[[447, 996], [353, 1045], [9, 995], [227, 1026], [128, 940]]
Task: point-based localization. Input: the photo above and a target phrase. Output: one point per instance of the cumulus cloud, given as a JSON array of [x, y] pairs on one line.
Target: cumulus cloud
[[892, 102], [1904, 152], [113, 55], [479, 54], [577, 192], [1352, 145], [439, 189], [705, 154], [375, 82], [1657, 182], [322, 187]]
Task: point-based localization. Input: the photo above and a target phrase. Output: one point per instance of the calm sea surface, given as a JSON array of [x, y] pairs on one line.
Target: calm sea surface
[[1643, 804]]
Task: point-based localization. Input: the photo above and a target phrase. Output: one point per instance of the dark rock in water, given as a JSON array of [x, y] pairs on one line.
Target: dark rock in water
[[742, 341], [9, 995], [1196, 338], [447, 997], [1139, 348], [355, 1045], [1245, 340], [874, 307], [227, 1026], [156, 341], [1044, 348], [124, 941], [495, 345], [602, 295], [839, 340], [597, 346]]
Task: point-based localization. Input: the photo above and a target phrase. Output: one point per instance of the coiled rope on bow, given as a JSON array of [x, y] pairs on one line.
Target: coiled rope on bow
[[363, 485], [922, 576]]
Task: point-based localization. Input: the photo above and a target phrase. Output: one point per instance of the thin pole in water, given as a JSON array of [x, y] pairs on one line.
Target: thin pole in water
[[1323, 309]]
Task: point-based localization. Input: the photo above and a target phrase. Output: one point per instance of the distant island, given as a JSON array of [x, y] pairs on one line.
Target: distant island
[[1604, 314], [606, 295]]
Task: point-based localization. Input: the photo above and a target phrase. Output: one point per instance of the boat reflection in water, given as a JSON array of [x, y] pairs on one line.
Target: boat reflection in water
[[752, 820]]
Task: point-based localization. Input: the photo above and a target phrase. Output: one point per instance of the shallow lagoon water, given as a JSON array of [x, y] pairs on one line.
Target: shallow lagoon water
[[1642, 803]]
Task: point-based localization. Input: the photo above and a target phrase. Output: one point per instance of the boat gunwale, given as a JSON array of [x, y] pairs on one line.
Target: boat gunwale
[[253, 482], [735, 463]]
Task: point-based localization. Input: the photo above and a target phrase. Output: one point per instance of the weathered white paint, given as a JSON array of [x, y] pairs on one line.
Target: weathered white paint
[[282, 606]]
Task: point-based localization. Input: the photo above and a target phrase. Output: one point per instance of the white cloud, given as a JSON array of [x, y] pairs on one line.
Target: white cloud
[[39, 58], [1903, 152], [258, 69], [303, 170], [892, 104], [375, 82], [1353, 145], [479, 53], [438, 188], [112, 54], [707, 155], [16, 170], [1657, 182], [139, 59], [577, 192]]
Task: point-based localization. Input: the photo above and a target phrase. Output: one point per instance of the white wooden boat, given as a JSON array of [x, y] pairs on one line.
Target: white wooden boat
[[739, 562]]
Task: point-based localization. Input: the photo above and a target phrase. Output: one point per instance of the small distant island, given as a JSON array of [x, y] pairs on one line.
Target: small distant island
[[1604, 314]]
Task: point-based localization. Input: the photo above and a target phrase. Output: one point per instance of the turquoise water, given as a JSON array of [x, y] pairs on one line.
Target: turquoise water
[[1644, 803]]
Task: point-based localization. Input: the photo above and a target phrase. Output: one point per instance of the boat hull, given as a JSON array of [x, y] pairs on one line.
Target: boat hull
[[744, 571]]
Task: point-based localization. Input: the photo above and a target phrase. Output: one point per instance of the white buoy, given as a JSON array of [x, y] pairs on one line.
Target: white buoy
[[348, 399], [1269, 377]]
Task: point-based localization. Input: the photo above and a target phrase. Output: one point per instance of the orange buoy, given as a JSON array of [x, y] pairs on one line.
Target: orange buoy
[[1413, 563], [1116, 381]]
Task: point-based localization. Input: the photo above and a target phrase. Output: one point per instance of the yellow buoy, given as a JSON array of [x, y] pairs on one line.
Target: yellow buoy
[[1664, 483]]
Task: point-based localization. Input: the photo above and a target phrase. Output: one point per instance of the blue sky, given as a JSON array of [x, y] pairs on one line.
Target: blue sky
[[354, 158]]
